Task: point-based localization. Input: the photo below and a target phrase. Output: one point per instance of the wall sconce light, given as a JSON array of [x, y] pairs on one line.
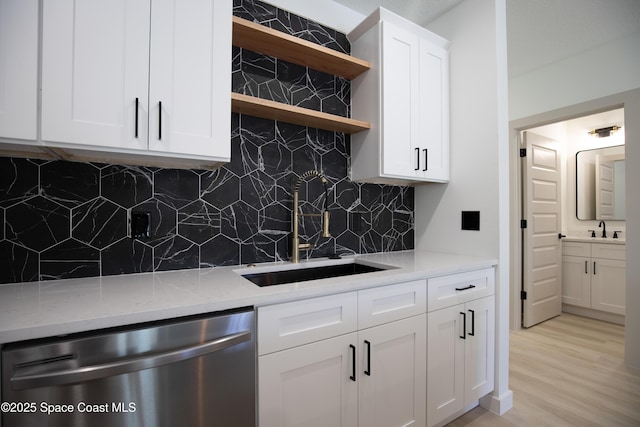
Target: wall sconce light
[[604, 132]]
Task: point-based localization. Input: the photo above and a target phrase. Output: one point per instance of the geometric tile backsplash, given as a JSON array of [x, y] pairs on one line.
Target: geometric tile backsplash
[[65, 219]]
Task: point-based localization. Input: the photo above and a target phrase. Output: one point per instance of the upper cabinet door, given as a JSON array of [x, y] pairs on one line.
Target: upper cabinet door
[[400, 109], [433, 124], [18, 68], [190, 81], [95, 65]]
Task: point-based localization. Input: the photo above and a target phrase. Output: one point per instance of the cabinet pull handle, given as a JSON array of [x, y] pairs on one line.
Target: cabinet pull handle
[[426, 163], [466, 288], [353, 368], [464, 325], [594, 268], [473, 323], [586, 267], [160, 120], [136, 130], [368, 370], [417, 158]]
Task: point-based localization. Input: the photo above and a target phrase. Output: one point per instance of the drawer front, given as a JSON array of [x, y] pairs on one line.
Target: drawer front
[[295, 323], [576, 249], [445, 291], [388, 303], [609, 251]]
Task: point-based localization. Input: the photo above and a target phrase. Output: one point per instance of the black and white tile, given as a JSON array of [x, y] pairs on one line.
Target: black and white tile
[[65, 220]]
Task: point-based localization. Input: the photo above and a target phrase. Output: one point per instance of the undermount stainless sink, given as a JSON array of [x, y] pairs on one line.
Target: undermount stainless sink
[[280, 277]]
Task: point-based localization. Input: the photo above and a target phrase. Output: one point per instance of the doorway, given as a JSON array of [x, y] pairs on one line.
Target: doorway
[[564, 126]]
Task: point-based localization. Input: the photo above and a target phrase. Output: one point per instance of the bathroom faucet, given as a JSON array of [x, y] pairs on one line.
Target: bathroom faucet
[[296, 246], [604, 228]]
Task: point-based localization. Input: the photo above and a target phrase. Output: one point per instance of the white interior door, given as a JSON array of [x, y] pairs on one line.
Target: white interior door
[[542, 248]]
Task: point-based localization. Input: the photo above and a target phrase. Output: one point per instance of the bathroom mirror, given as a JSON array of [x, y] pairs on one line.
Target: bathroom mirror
[[600, 185]]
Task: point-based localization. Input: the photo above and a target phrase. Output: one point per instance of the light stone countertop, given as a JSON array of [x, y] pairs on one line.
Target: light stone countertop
[[607, 240], [51, 308]]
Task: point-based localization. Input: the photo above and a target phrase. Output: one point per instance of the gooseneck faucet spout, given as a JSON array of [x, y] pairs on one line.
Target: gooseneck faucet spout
[[296, 246], [604, 229]]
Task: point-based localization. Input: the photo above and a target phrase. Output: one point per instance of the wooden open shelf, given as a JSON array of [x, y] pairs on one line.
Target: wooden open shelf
[[272, 110], [261, 39]]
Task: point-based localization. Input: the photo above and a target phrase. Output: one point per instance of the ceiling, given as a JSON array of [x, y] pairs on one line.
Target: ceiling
[[539, 32]]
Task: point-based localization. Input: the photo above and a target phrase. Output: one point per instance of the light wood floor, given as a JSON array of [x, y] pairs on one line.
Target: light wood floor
[[567, 371]]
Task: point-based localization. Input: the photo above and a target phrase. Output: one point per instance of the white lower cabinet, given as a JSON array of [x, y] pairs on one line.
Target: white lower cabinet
[[392, 375], [375, 376], [460, 354], [309, 385], [593, 276]]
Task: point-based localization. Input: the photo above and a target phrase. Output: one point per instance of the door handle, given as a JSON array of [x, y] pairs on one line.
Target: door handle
[[594, 268], [417, 158], [136, 130], [464, 325], [586, 267], [160, 120], [368, 370], [353, 366], [426, 162], [85, 373], [473, 323]]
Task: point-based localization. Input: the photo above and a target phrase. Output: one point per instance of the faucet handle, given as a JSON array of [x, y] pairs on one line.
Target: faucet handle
[[615, 233], [593, 233]]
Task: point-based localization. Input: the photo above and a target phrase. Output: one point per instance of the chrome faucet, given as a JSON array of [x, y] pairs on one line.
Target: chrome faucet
[[604, 228], [296, 246]]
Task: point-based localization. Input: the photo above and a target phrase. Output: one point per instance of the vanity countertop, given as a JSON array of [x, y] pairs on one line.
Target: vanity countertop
[[607, 240], [57, 307]]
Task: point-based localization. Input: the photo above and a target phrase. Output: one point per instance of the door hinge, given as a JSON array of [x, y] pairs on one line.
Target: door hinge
[[523, 152], [523, 223], [523, 295]]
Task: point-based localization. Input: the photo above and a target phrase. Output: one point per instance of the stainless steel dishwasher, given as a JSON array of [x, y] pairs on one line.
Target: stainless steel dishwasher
[[197, 371]]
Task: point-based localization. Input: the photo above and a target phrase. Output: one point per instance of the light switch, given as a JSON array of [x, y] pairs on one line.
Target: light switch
[[471, 220]]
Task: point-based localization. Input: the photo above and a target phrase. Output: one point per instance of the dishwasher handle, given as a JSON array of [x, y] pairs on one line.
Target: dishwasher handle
[[93, 372]]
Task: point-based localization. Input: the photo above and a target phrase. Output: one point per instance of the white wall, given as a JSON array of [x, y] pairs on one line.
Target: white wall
[[479, 158], [605, 70], [588, 83]]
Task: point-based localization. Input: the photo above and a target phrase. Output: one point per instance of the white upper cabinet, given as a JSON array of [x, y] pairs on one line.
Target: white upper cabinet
[[95, 64], [405, 96], [123, 76], [190, 77], [18, 69]]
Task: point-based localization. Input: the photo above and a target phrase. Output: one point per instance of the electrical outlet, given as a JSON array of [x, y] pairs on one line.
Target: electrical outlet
[[140, 225]]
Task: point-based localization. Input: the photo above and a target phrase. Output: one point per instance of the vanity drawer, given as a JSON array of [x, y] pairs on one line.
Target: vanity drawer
[[388, 303], [609, 251], [445, 291], [295, 323], [576, 249]]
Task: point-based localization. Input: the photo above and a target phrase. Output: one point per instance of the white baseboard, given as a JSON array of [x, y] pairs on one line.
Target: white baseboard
[[497, 404]]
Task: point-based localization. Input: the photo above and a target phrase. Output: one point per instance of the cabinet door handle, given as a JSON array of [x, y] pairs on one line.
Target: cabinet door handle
[[417, 158], [353, 366], [466, 288], [464, 325], [136, 130], [594, 268], [368, 370], [160, 120], [426, 162], [586, 267], [473, 323]]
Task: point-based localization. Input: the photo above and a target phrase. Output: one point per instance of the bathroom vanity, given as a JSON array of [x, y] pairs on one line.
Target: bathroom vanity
[[593, 277]]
